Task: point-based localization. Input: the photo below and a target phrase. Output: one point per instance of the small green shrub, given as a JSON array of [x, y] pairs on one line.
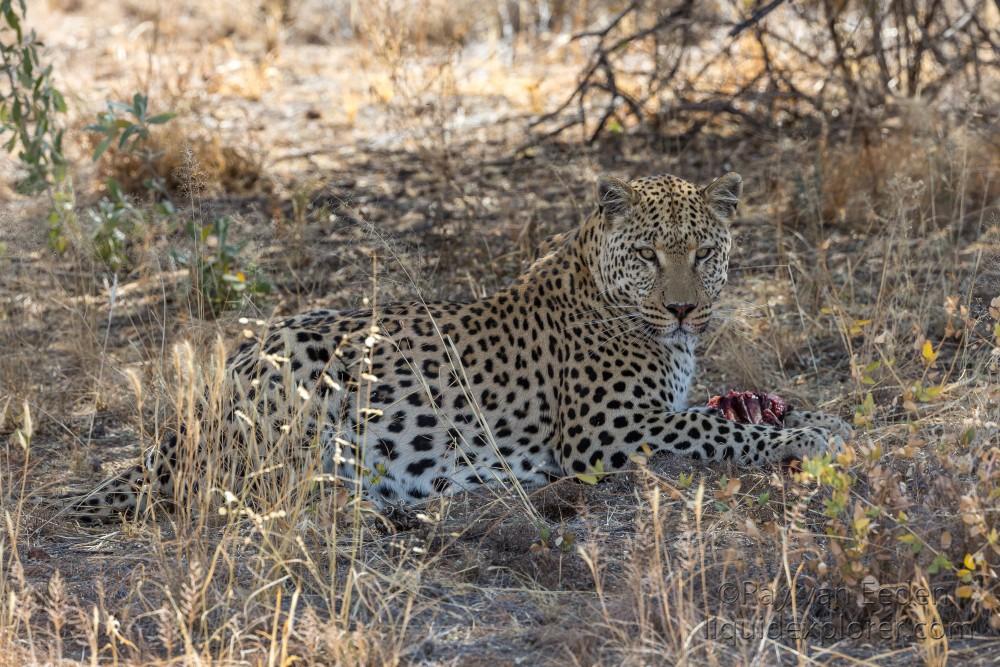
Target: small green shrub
[[218, 277], [29, 106], [114, 223], [129, 126]]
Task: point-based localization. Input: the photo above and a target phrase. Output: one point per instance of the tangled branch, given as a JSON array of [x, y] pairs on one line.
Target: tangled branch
[[679, 70]]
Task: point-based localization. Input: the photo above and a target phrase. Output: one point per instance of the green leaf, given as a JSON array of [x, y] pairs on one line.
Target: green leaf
[[159, 119], [59, 101], [941, 562], [131, 130], [114, 189], [139, 106], [594, 474], [927, 394], [101, 147], [14, 22]]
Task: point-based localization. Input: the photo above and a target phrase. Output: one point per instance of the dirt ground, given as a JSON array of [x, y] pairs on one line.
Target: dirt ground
[[352, 168]]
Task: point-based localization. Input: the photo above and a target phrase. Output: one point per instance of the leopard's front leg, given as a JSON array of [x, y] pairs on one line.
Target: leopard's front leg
[[796, 418], [755, 407], [696, 434]]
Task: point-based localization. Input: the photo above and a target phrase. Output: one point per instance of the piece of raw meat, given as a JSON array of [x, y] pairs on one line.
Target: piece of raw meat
[[751, 407]]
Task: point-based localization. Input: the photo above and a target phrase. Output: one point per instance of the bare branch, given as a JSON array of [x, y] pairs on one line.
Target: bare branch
[[756, 17]]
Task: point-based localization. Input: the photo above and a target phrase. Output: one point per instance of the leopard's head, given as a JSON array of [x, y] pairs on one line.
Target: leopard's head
[[661, 249]]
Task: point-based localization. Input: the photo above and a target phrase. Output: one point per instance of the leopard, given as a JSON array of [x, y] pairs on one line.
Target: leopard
[[582, 364]]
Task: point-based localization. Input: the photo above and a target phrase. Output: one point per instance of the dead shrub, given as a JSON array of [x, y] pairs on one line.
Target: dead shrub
[[956, 166], [181, 157]]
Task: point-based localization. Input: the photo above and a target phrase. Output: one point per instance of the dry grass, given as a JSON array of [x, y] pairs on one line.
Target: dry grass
[[864, 283]]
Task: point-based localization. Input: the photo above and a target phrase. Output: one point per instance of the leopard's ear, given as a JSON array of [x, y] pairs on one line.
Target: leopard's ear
[[723, 195], [614, 196]]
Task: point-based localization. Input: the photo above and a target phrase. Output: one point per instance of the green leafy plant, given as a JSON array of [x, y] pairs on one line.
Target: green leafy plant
[[29, 103], [218, 276], [114, 225], [127, 127], [29, 106], [114, 126], [865, 413], [561, 539], [114, 221]]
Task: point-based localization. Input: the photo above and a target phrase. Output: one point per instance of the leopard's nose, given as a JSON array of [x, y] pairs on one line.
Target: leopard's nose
[[680, 310]]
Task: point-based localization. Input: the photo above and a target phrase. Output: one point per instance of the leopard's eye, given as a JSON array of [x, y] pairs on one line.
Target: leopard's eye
[[703, 254], [647, 254]]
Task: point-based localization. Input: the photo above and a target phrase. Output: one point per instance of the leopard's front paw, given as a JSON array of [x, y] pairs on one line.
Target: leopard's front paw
[[806, 419], [811, 441]]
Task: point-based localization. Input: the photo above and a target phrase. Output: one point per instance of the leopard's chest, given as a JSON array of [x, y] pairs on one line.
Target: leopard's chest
[[680, 365]]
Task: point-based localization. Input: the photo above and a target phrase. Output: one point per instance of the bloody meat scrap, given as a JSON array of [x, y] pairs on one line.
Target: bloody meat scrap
[[751, 407]]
